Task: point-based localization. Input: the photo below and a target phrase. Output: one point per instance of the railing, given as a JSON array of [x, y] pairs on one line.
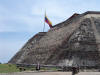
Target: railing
[[61, 68]]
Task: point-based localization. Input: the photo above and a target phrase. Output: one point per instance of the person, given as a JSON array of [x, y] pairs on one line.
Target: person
[[74, 70], [37, 67]]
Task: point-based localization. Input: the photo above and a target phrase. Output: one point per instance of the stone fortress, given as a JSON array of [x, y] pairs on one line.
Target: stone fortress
[[74, 42]]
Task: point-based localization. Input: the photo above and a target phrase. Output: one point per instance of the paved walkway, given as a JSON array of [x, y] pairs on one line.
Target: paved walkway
[[51, 73]]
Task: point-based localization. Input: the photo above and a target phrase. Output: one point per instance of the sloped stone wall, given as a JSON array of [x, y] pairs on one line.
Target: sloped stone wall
[[71, 42], [83, 50], [20, 56], [50, 43]]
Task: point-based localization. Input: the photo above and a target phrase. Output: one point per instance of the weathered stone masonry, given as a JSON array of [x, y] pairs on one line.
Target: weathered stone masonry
[[73, 42]]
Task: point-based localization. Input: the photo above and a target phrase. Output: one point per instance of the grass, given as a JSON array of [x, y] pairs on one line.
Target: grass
[[7, 68]]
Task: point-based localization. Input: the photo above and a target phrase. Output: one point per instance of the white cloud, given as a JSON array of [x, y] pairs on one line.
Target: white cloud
[[52, 7]]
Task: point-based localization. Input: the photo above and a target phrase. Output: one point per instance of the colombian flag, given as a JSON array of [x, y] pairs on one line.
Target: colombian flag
[[48, 21]]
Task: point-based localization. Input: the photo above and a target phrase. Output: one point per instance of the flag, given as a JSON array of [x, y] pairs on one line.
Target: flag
[[48, 21]]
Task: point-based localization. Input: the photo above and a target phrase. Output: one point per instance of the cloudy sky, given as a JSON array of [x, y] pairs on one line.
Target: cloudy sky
[[21, 19]]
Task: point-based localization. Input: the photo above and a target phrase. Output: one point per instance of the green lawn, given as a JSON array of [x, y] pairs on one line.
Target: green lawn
[[6, 68]]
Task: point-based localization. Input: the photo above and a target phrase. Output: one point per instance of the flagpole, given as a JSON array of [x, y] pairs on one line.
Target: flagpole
[[44, 21], [44, 25]]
